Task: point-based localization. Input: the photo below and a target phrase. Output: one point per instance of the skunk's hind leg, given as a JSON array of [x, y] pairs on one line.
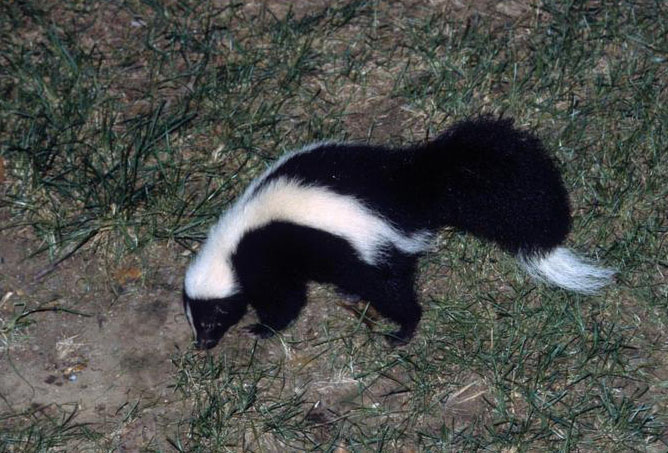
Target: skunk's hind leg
[[394, 297], [407, 316], [404, 311]]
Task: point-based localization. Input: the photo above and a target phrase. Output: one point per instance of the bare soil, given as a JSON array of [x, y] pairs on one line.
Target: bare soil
[[112, 358]]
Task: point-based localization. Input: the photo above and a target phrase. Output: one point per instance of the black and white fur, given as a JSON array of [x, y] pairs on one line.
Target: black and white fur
[[358, 216]]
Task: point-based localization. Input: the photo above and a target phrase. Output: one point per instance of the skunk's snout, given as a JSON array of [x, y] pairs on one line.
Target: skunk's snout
[[205, 344]]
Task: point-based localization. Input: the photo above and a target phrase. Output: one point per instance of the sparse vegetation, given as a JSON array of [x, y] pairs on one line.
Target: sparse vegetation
[[128, 127]]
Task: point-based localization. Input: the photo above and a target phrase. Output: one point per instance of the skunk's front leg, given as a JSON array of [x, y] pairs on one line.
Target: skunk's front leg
[[276, 307]]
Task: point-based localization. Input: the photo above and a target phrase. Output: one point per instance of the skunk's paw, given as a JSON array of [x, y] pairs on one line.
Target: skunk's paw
[[398, 338], [258, 331]]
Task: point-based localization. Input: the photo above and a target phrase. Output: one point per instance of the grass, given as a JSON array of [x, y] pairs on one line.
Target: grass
[[119, 134]]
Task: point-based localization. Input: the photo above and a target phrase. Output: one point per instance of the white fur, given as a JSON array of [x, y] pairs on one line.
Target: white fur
[[565, 269], [248, 193], [211, 274]]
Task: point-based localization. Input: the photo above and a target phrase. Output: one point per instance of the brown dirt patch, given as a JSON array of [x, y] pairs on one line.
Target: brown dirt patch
[[113, 364]]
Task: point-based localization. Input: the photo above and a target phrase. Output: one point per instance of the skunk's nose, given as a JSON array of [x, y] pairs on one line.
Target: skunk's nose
[[205, 344]]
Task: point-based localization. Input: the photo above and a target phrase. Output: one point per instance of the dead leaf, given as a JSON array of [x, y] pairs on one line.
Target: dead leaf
[[126, 275], [69, 371]]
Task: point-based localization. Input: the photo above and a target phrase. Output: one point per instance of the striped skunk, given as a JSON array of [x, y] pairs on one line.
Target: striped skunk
[[358, 216]]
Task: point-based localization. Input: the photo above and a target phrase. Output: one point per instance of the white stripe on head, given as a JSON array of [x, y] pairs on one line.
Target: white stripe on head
[[211, 274]]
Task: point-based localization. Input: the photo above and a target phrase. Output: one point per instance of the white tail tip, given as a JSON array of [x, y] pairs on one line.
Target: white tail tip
[[565, 269]]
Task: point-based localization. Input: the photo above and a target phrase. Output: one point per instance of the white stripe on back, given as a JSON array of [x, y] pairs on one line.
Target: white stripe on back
[[211, 274]]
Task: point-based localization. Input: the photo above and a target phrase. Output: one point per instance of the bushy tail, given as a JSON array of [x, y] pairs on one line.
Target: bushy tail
[[565, 269]]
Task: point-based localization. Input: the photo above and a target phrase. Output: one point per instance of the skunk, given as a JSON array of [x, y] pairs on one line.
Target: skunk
[[358, 216]]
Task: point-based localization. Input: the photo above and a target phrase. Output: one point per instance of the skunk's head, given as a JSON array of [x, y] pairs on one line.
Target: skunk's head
[[211, 318]]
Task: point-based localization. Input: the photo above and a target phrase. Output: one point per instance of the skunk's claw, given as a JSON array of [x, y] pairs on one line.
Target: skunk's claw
[[258, 331]]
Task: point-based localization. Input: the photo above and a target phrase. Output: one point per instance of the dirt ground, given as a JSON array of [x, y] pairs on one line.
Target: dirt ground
[[112, 358]]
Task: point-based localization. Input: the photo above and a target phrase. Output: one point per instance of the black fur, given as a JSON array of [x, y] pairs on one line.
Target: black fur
[[276, 262], [484, 177], [481, 176], [213, 317]]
